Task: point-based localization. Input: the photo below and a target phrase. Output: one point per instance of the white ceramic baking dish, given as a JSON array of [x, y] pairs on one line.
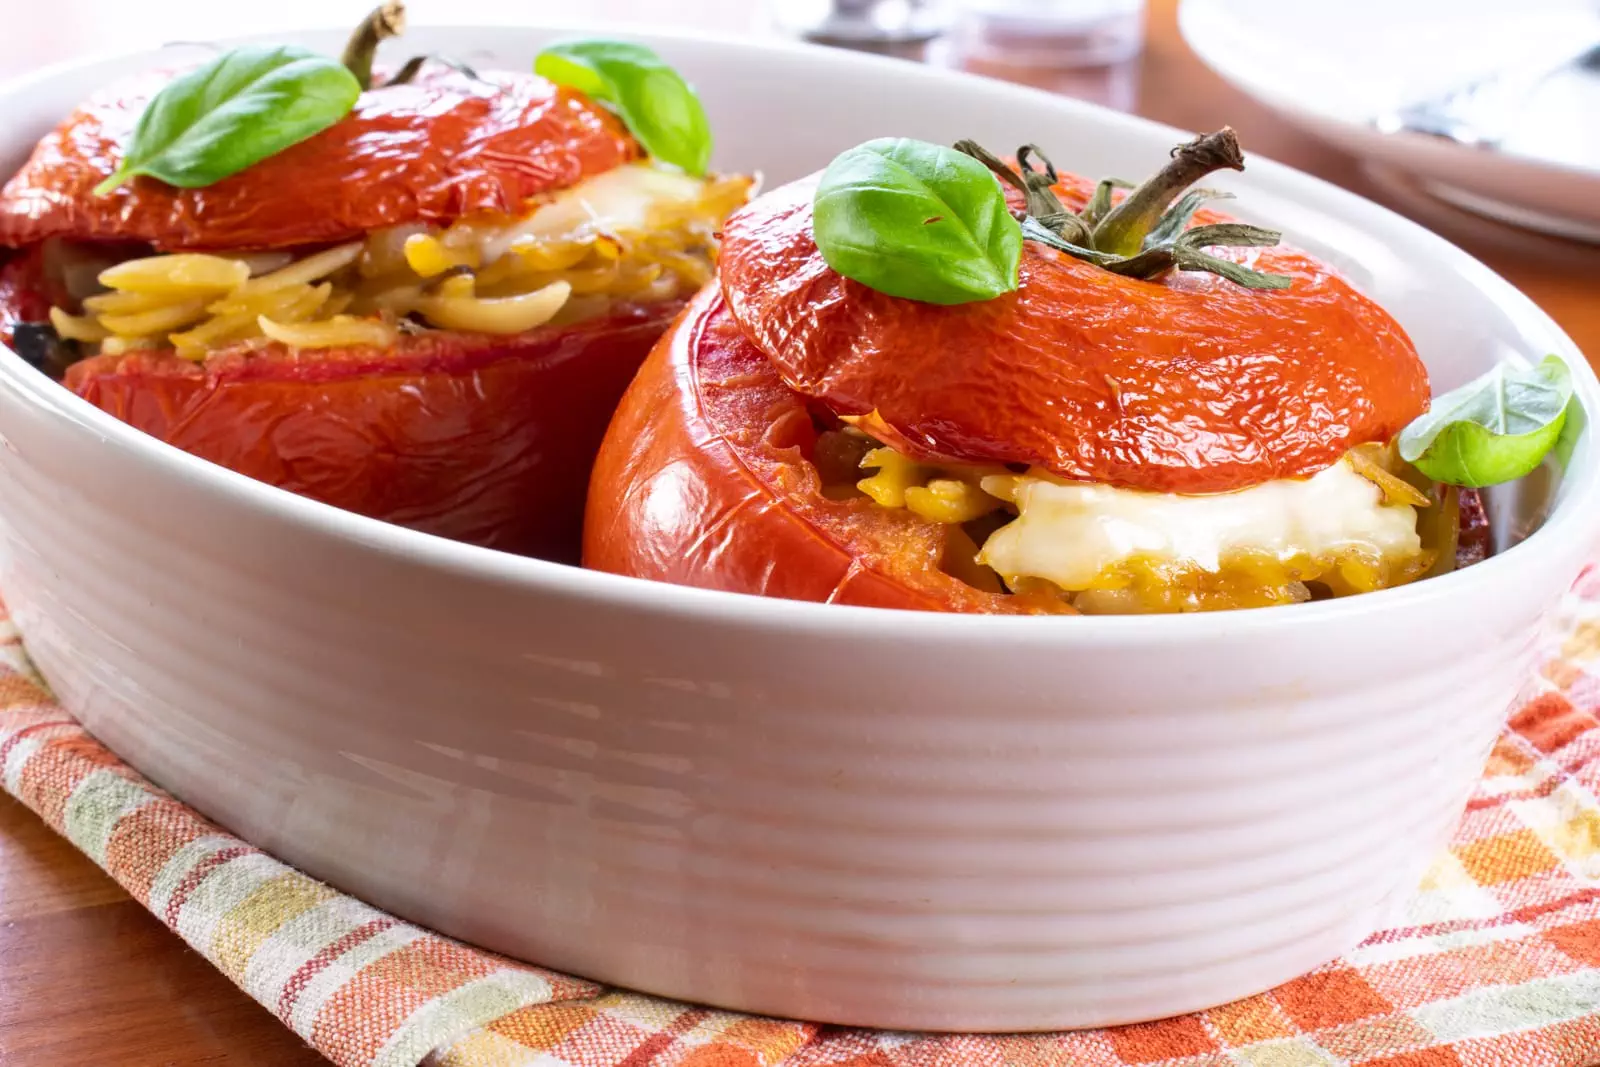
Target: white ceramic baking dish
[[860, 816]]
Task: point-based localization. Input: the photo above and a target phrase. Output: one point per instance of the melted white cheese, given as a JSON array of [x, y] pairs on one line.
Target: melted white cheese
[[617, 201], [1071, 533]]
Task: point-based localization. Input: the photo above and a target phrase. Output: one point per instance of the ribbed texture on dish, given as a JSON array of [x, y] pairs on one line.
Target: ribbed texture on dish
[[367, 989], [847, 827]]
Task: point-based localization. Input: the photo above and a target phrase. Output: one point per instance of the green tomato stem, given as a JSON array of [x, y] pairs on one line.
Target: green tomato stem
[[119, 178], [382, 22], [1122, 231], [1147, 234]]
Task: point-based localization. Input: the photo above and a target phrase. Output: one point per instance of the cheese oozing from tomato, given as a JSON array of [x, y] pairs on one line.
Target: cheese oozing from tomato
[[620, 201], [1130, 550]]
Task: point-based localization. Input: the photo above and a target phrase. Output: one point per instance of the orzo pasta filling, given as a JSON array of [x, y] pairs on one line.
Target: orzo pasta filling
[[637, 234], [1353, 527]]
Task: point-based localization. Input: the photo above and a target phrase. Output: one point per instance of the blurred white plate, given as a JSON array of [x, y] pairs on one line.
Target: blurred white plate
[[1334, 68]]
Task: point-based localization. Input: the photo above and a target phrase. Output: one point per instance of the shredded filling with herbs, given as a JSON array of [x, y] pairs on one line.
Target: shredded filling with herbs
[[641, 233]]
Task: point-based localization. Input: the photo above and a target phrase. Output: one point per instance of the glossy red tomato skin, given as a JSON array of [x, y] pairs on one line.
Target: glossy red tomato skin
[[702, 480], [481, 439], [1188, 384], [25, 295], [429, 152]]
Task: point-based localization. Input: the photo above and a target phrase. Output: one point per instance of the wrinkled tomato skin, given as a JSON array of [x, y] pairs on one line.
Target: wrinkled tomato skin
[[480, 439], [1474, 535], [1189, 383], [429, 152], [702, 480], [477, 438], [25, 295]]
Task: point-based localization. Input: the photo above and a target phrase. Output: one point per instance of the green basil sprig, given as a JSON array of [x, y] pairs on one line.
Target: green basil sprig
[[1148, 233], [654, 102], [243, 106], [1495, 428], [918, 221]]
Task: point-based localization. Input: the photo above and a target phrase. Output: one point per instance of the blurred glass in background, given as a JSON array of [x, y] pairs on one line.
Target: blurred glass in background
[[1049, 33], [894, 27], [1083, 48]]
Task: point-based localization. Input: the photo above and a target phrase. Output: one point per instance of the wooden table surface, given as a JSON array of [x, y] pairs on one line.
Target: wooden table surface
[[87, 976]]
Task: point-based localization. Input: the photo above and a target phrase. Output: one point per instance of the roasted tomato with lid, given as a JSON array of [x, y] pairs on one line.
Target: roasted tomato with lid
[[423, 308], [932, 378]]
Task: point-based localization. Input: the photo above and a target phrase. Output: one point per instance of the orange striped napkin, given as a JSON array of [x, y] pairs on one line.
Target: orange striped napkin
[[1498, 962]]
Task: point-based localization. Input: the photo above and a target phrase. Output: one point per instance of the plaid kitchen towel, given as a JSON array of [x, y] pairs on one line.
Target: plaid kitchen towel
[[1497, 963]]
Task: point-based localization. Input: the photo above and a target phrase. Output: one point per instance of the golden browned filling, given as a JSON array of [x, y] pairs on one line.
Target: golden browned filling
[[637, 234], [1350, 528]]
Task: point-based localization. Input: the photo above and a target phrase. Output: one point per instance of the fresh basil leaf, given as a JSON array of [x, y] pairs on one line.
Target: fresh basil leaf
[[235, 111], [1571, 428], [918, 221], [654, 102], [1494, 429]]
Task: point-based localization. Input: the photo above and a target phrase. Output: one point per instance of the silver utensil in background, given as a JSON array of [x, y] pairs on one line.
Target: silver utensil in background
[[1480, 113]]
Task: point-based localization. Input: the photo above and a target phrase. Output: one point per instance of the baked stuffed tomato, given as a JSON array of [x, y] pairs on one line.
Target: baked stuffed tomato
[[933, 379], [416, 295]]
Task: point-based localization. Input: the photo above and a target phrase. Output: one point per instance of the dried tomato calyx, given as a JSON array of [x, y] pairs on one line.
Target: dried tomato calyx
[[382, 22], [1146, 234]]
